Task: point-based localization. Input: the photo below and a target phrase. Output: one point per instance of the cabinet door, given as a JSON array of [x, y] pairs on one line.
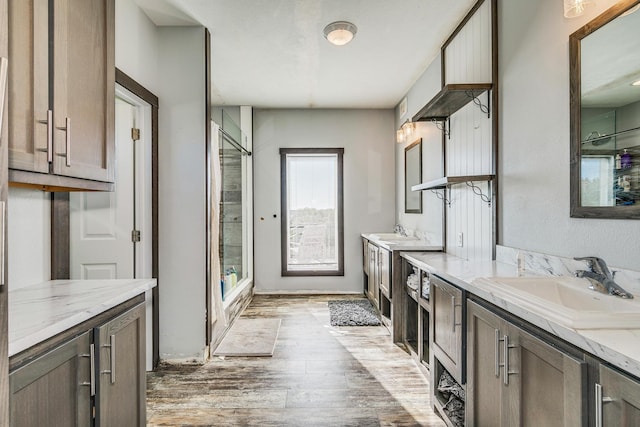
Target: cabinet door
[[54, 389], [384, 260], [447, 326], [28, 86], [485, 403], [622, 408], [373, 274], [84, 89], [541, 376], [121, 364], [365, 256]]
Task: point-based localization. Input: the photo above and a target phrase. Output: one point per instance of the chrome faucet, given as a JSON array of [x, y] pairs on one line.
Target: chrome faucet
[[399, 229], [601, 277]]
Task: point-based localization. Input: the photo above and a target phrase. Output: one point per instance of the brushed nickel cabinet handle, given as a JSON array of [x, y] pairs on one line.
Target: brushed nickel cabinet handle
[[49, 123], [67, 129], [112, 340], [600, 400], [112, 359], [497, 354], [92, 374], [505, 367], [2, 240]]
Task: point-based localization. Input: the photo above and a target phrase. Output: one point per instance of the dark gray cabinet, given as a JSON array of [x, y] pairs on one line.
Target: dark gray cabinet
[[61, 93], [96, 378], [372, 283], [120, 397], [448, 313], [54, 389], [617, 399], [514, 378]]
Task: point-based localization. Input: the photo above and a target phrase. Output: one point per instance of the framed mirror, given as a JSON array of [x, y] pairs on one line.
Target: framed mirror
[[605, 114], [413, 176]]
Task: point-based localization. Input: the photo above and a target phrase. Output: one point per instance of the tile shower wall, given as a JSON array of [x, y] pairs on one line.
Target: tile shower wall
[[231, 210]]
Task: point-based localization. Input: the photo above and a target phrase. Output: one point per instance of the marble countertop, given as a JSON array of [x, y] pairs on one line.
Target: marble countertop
[[402, 245], [40, 311], [620, 347]]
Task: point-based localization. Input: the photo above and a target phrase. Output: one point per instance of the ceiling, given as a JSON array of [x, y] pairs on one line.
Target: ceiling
[[272, 53]]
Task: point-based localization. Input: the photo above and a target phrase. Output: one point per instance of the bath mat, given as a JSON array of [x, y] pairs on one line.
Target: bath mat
[[353, 313], [250, 337]]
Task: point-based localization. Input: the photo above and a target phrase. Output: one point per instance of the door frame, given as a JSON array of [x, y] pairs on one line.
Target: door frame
[[60, 259]]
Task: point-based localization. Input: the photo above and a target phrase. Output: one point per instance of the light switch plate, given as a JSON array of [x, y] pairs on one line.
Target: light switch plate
[[460, 239]]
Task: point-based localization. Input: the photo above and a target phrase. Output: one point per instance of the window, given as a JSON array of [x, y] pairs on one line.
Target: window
[[597, 180], [312, 235]]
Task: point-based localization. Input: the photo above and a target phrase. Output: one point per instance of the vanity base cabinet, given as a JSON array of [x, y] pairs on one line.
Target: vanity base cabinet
[[514, 378], [372, 284], [54, 389], [448, 313], [618, 400], [121, 389], [95, 376]]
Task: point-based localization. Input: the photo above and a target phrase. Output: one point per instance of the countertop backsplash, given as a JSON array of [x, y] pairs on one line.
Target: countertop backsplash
[[552, 265]]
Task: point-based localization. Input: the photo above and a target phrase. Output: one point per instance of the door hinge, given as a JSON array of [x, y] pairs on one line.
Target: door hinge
[[135, 134], [135, 236]]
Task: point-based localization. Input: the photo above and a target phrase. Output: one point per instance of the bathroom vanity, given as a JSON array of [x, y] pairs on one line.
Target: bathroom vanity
[[512, 358], [382, 274]]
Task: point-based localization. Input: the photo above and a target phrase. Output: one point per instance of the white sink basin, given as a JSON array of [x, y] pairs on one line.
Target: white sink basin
[[391, 237], [568, 301]]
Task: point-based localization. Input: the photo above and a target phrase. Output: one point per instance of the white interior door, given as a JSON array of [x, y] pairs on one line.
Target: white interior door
[[101, 224]]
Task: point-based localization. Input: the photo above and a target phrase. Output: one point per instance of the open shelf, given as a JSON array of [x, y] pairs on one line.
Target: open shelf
[[450, 99], [448, 181]]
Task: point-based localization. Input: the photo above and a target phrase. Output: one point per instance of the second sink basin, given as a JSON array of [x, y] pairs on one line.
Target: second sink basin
[[568, 301], [391, 237]]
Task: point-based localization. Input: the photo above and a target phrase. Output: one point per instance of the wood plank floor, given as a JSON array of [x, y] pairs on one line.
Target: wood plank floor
[[319, 375]]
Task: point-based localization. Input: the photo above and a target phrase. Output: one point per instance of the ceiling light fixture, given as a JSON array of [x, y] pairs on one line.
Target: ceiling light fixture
[[575, 8], [636, 83], [340, 33]]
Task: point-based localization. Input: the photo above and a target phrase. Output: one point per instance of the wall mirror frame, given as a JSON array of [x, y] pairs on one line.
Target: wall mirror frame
[[413, 176], [605, 115]]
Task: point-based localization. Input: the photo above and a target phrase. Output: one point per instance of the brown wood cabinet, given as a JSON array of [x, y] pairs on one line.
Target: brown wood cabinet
[[448, 313], [617, 401], [61, 92], [104, 366], [514, 378]]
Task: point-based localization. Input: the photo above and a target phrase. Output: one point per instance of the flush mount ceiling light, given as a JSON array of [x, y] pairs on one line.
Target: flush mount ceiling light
[[574, 8], [340, 33]]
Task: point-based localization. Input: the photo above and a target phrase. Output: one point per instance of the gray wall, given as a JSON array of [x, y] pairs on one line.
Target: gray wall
[[369, 194], [534, 135]]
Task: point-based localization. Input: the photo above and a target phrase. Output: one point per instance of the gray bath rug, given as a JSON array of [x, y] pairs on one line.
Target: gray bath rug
[[352, 313], [250, 337]]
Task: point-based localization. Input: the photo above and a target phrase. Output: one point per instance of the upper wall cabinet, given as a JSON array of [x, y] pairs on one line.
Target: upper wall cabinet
[[61, 94]]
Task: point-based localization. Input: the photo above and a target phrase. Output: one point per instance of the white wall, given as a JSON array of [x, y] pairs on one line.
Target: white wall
[[369, 194], [29, 237], [534, 135], [182, 195]]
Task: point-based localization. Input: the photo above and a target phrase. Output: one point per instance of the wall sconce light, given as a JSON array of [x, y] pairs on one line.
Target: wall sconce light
[[405, 132], [340, 33], [575, 8]]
